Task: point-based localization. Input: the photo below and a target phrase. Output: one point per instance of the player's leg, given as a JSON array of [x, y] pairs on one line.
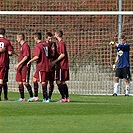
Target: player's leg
[[29, 89], [59, 84], [2, 73], [21, 91], [43, 78], [25, 77], [64, 85], [5, 86], [35, 82], [20, 87], [51, 83], [51, 88], [44, 90], [65, 77], [1, 84], [116, 85], [127, 89], [61, 90], [116, 81], [126, 76]]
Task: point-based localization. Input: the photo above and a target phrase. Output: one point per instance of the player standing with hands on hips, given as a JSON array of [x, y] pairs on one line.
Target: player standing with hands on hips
[[62, 67], [123, 65]]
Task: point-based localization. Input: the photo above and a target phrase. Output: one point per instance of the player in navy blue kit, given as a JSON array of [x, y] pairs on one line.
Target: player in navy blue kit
[[123, 65]]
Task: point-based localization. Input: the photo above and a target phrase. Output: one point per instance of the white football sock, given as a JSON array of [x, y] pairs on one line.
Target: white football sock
[[116, 87], [127, 89]]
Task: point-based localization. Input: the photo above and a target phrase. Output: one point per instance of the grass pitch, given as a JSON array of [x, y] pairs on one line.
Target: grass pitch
[[84, 114]]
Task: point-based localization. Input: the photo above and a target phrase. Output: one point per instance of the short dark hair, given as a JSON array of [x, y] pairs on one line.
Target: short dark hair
[[2, 31], [49, 34], [59, 32], [38, 35], [123, 37], [21, 35]]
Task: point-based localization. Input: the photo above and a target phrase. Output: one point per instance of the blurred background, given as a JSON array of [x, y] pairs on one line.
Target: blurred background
[[87, 38]]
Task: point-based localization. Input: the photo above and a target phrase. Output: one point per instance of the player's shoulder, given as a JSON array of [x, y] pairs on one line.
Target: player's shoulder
[[26, 45], [46, 44], [127, 44], [5, 40], [62, 43]]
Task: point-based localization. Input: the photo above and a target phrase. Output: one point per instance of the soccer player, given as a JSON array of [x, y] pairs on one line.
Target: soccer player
[[52, 44], [62, 67], [5, 50], [123, 65], [23, 72], [42, 52]]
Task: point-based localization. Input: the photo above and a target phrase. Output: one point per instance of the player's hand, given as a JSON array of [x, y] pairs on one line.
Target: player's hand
[[28, 64], [52, 64], [16, 67], [114, 67], [112, 43]]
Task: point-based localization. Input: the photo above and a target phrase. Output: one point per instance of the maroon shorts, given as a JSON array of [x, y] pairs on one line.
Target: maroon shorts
[[23, 76], [52, 76], [2, 72], [62, 74], [41, 76]]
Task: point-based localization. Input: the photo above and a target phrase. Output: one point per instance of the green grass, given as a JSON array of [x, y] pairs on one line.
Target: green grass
[[84, 114]]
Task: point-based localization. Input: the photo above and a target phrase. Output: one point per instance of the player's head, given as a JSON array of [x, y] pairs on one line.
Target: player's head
[[122, 38], [58, 33], [49, 37], [20, 37], [2, 31], [37, 36]]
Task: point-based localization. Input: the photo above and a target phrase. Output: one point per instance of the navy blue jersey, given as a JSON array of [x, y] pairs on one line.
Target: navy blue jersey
[[123, 55]]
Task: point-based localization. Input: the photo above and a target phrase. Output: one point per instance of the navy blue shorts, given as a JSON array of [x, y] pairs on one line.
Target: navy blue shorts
[[123, 73]]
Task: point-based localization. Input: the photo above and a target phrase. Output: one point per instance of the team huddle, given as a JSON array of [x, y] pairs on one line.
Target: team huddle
[[50, 58]]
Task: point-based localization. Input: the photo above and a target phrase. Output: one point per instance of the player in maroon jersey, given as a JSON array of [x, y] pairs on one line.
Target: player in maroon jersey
[[42, 52], [23, 72], [5, 50], [52, 44], [62, 70]]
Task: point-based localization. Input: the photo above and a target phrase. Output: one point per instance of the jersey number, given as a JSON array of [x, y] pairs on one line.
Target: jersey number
[[46, 50], [1, 45]]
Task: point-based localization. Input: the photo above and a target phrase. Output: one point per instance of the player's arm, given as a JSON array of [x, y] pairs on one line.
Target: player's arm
[[116, 61], [21, 62], [33, 59], [61, 56]]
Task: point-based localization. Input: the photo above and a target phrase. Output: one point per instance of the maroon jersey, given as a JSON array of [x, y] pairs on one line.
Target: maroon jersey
[[54, 50], [43, 51], [61, 49], [4, 56], [24, 51]]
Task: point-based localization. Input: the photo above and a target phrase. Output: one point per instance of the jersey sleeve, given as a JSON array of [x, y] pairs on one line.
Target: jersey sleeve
[[26, 50], [10, 47], [125, 47], [62, 48]]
